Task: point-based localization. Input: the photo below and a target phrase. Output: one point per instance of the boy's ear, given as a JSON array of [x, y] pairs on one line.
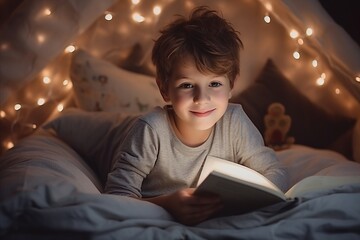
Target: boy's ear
[[162, 91], [230, 94]]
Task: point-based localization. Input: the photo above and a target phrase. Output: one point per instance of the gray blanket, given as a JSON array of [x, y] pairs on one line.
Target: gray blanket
[[59, 211]]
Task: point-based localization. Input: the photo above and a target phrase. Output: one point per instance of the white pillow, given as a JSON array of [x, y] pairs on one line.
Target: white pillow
[[101, 86], [40, 159]]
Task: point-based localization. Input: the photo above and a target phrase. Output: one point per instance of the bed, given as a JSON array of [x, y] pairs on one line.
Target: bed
[[52, 179], [50, 189]]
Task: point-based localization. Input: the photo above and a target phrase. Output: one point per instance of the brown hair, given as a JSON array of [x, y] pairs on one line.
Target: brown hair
[[208, 38]]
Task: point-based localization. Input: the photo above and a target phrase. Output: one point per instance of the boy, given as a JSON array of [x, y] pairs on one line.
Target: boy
[[197, 61]]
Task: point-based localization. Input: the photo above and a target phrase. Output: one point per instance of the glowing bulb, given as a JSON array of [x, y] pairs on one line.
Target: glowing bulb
[[320, 81], [357, 78], [337, 91], [296, 55], [47, 12], [9, 145], [17, 107], [70, 49], [65, 82], [60, 107], [300, 41], [40, 38], [41, 101], [294, 34], [33, 126], [138, 18], [323, 76], [108, 16], [135, 1], [309, 31], [267, 19], [157, 10], [2, 114], [4, 46], [314, 63], [46, 80]]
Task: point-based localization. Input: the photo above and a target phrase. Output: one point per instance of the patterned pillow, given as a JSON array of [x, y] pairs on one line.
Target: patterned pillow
[[101, 86]]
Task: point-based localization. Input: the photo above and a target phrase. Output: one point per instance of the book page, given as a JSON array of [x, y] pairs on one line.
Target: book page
[[237, 171], [319, 183]]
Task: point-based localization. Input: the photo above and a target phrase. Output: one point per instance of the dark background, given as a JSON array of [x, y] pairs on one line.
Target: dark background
[[346, 13]]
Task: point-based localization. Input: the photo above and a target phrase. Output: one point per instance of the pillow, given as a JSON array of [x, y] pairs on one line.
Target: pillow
[[311, 125], [302, 161], [101, 86], [44, 159], [93, 135]]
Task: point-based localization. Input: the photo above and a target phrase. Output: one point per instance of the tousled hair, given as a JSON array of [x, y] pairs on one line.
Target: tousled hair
[[208, 38]]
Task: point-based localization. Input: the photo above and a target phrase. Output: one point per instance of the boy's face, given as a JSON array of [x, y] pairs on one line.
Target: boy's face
[[199, 99]]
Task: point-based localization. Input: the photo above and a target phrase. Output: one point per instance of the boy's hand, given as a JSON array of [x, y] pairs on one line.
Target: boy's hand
[[187, 208]]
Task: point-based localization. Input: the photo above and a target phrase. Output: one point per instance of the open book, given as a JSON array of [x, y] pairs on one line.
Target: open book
[[243, 190]]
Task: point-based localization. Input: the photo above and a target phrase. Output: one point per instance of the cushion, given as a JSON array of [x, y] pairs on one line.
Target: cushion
[[311, 125], [301, 162], [41, 159], [101, 86], [93, 135]]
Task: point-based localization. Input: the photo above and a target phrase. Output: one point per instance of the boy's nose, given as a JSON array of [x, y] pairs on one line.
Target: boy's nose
[[201, 96]]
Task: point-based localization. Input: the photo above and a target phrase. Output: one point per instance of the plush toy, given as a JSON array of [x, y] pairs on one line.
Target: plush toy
[[277, 126]]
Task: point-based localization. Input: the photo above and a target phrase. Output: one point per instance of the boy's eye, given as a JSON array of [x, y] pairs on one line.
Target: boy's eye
[[215, 84], [185, 85]]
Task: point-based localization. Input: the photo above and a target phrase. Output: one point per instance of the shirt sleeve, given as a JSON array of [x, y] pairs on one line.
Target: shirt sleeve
[[255, 155], [133, 160]]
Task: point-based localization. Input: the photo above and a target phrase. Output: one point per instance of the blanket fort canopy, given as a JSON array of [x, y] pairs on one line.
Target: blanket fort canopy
[[39, 37]]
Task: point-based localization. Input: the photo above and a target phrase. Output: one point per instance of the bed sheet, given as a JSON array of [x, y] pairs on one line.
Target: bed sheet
[[48, 191], [57, 209]]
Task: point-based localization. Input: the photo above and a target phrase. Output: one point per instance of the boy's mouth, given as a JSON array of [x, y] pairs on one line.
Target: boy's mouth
[[204, 113]]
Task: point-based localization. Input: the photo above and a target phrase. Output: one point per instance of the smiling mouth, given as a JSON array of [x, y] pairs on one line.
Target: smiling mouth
[[202, 113]]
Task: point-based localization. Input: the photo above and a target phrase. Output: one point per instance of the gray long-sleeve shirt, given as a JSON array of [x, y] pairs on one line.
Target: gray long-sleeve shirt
[[152, 161]]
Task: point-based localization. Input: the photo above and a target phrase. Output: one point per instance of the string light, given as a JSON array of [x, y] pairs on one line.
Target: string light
[[294, 34], [17, 107], [70, 49], [314, 63], [40, 38], [108, 17], [4, 46], [41, 101], [49, 77], [60, 107], [309, 31], [9, 145], [296, 55], [320, 81], [47, 12], [138, 18], [157, 10], [46, 80], [267, 19]]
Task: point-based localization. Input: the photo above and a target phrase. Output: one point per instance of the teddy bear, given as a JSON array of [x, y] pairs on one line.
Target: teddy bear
[[277, 126]]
